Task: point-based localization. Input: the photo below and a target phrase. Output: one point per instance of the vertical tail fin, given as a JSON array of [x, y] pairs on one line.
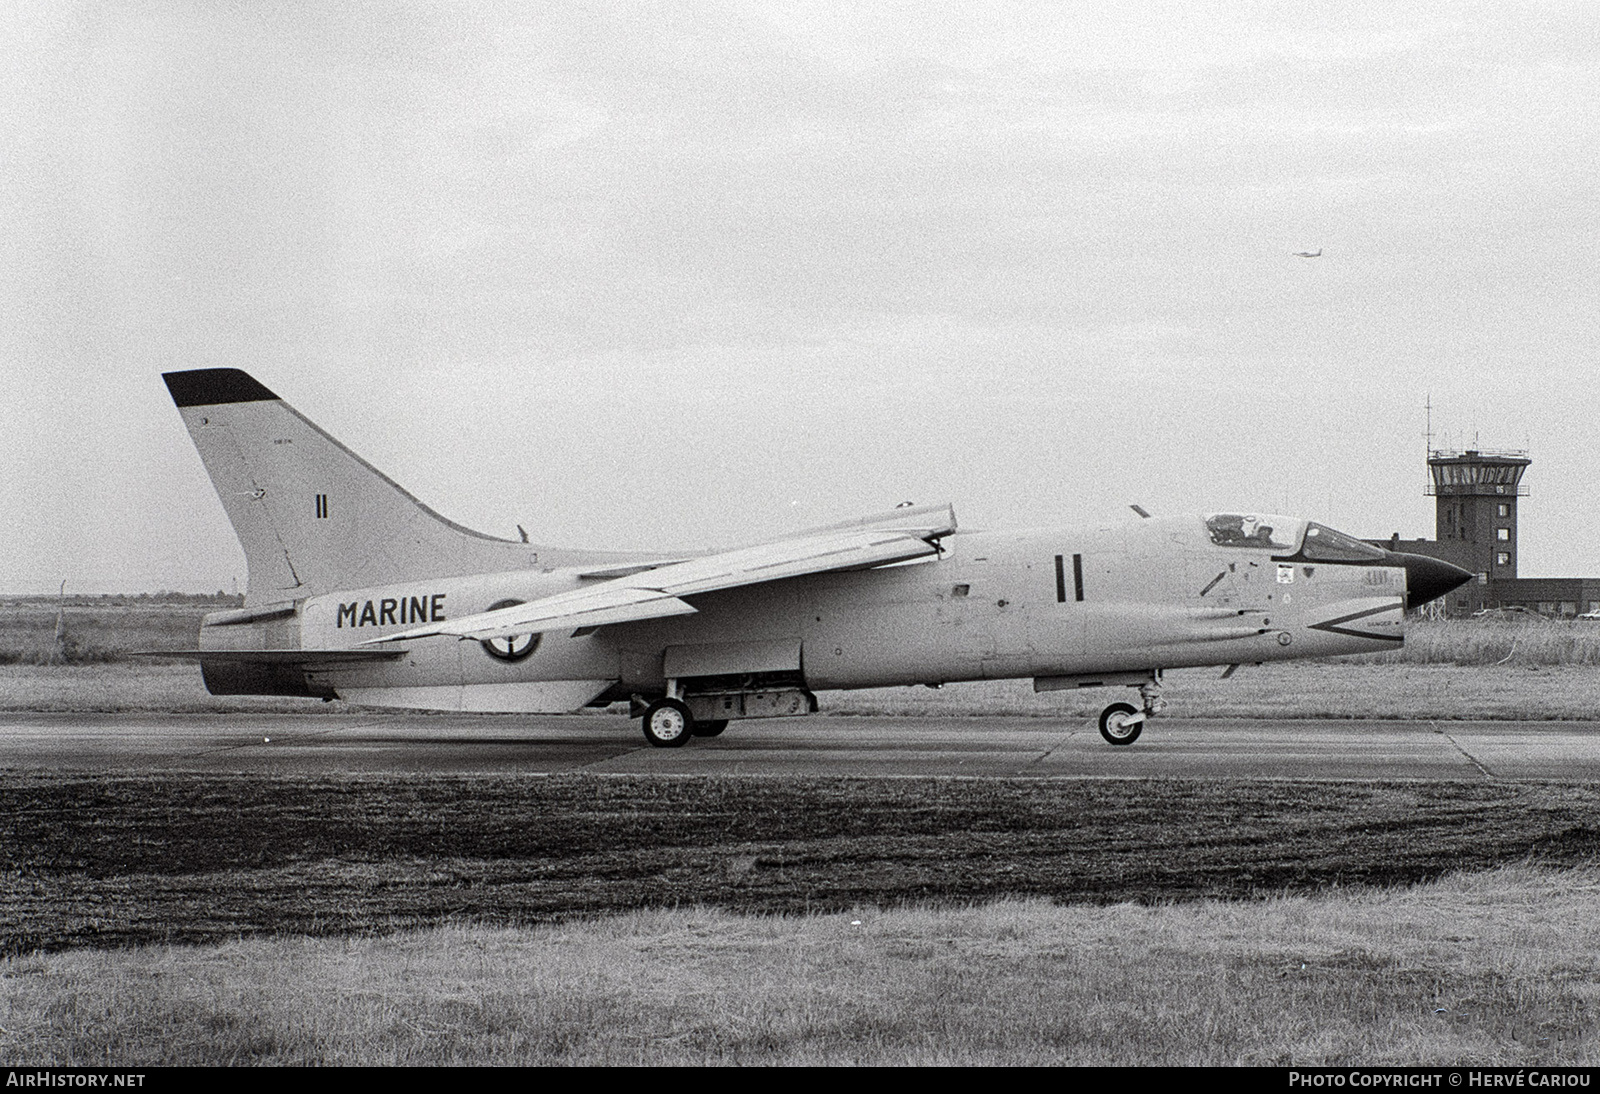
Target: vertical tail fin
[[311, 515]]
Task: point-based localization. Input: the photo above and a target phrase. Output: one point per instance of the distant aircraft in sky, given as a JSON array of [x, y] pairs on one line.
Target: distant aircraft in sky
[[1309, 254], [355, 587]]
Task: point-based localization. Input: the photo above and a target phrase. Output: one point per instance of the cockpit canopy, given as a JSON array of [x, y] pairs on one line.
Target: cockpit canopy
[[1255, 530], [1289, 537]]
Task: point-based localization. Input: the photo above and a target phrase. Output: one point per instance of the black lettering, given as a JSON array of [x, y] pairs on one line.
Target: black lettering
[[1061, 582], [344, 610], [368, 615], [386, 611], [438, 608], [419, 609], [1077, 576]]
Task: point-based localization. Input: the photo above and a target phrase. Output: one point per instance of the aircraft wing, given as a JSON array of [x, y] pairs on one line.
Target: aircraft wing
[[894, 537]]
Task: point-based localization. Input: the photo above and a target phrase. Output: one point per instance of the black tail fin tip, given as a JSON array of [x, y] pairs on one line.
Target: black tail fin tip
[[215, 386]]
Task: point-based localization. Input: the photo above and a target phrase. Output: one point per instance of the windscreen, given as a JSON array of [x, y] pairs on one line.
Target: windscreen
[[1324, 544]]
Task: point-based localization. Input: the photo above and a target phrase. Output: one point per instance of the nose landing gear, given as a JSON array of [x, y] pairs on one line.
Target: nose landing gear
[[1121, 723]]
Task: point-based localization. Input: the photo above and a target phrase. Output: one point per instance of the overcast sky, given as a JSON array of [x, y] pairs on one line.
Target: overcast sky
[[689, 274]]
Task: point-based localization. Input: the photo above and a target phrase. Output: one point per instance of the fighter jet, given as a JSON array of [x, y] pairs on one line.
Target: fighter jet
[[358, 591], [1309, 254]]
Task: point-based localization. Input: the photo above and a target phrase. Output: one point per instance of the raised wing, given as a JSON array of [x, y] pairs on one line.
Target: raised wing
[[650, 594]]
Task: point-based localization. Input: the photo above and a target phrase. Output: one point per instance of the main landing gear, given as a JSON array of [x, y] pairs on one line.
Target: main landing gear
[[668, 724], [672, 719], [1121, 723]]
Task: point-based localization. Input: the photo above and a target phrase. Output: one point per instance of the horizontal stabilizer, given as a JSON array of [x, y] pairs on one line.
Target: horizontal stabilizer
[[309, 659], [237, 616]]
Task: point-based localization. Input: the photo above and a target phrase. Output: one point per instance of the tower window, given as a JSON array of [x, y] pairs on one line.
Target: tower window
[[1502, 510], [1502, 558], [1503, 535]]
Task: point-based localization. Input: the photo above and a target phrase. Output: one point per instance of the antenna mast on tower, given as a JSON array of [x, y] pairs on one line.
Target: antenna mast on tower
[[1429, 433]]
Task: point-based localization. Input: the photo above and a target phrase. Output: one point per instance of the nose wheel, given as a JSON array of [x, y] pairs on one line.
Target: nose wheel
[[1121, 723]]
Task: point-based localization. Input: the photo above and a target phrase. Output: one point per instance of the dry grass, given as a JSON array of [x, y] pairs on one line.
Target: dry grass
[[99, 629], [1488, 968], [1526, 641], [134, 686]]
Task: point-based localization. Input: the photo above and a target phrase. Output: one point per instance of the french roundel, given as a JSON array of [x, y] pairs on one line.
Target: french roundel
[[515, 647]]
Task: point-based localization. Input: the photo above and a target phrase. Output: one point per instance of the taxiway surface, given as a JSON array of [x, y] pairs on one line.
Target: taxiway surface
[[832, 745]]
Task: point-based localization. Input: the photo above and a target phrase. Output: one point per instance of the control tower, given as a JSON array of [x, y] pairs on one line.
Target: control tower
[[1475, 515]]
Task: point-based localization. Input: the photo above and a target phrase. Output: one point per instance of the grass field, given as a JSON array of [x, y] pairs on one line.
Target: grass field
[[98, 629], [1491, 968]]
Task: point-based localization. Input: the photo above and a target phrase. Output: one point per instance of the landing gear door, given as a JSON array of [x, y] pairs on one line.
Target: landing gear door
[[731, 659]]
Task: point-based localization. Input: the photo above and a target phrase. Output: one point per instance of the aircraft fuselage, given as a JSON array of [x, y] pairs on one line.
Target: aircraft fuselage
[[1051, 604]]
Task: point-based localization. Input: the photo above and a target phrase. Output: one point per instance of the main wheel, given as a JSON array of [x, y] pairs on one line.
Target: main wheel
[[667, 723], [709, 729], [1115, 726]]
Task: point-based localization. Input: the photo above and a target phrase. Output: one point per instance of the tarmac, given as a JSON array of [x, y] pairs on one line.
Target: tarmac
[[977, 747]]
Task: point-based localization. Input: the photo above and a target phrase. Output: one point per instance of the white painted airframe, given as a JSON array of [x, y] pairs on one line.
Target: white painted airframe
[[358, 591]]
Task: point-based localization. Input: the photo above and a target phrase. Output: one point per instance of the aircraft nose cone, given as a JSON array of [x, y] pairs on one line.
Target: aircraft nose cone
[[1428, 578]]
